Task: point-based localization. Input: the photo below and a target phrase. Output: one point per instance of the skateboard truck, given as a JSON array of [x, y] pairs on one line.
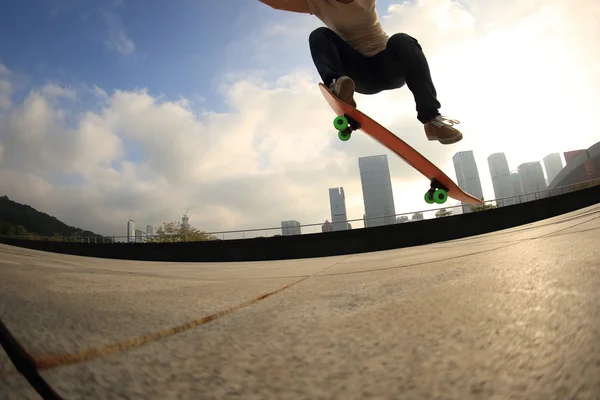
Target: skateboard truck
[[345, 125], [437, 193]]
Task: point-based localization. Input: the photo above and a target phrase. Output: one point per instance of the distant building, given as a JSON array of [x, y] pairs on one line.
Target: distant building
[[467, 175], [570, 155], [289, 228], [139, 236], [516, 187], [130, 231], [500, 174], [326, 227], [377, 191], [337, 204], [185, 221], [402, 219], [553, 165], [582, 167], [150, 230], [532, 179]]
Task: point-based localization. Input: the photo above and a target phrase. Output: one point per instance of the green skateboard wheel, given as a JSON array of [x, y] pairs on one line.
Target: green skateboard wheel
[[429, 198], [440, 196], [343, 136], [340, 122]]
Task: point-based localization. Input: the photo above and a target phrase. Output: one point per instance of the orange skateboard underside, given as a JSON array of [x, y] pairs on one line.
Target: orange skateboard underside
[[398, 146]]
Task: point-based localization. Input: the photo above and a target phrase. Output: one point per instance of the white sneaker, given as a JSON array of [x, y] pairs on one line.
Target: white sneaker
[[343, 88], [441, 129]]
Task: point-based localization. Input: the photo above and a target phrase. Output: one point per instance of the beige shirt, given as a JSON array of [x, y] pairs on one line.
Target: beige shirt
[[357, 23]]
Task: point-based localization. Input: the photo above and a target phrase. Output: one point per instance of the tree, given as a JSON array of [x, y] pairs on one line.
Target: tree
[[176, 232], [483, 207], [442, 212]]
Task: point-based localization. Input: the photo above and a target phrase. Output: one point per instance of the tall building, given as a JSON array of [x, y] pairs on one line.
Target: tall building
[[289, 228], [500, 174], [130, 231], [553, 165], [377, 191], [569, 155], [185, 221], [139, 236], [532, 179], [590, 169], [326, 227], [516, 189], [149, 230], [467, 175], [337, 203]]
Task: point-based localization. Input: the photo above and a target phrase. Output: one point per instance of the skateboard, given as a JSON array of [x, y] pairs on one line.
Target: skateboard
[[350, 119]]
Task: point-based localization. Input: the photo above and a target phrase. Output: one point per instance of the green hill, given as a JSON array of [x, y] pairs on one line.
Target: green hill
[[23, 220]]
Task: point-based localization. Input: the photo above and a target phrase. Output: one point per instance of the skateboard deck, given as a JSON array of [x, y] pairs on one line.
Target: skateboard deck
[[349, 119]]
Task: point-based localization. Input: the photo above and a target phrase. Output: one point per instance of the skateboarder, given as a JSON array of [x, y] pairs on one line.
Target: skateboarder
[[353, 53]]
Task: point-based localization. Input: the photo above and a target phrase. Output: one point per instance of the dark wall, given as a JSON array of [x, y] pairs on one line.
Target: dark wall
[[332, 243]]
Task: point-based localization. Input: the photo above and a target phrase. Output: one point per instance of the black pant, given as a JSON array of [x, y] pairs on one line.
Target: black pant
[[402, 62]]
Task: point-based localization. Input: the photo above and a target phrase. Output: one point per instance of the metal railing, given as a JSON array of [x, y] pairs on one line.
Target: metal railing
[[415, 216]]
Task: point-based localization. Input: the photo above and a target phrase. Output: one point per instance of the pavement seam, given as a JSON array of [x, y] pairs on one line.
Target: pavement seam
[[555, 233], [429, 262], [57, 360]]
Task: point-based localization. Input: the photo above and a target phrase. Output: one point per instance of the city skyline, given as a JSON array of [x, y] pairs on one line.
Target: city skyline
[[375, 175]]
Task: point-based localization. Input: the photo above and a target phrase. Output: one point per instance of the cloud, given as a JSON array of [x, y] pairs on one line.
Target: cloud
[[5, 88], [53, 90], [521, 81], [117, 39]]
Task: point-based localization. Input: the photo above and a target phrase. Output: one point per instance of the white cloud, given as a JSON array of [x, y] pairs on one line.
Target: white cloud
[[523, 81], [53, 90], [5, 88], [117, 39]]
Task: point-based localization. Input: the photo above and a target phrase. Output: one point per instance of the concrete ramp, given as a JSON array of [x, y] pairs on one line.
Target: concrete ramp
[[510, 314]]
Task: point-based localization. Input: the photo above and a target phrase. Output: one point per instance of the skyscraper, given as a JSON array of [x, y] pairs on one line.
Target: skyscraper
[[131, 231], [500, 174], [516, 187], [553, 165], [185, 221], [377, 191], [467, 175], [532, 178], [569, 155], [139, 236], [289, 228], [337, 203], [149, 230]]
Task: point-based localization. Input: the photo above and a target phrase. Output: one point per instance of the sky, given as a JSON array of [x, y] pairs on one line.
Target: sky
[[133, 109]]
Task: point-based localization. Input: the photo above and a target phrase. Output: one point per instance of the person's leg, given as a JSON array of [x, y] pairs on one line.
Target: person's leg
[[335, 59], [406, 53], [402, 62]]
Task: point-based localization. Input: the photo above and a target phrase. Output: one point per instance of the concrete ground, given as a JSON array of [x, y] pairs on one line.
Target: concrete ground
[[513, 314]]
